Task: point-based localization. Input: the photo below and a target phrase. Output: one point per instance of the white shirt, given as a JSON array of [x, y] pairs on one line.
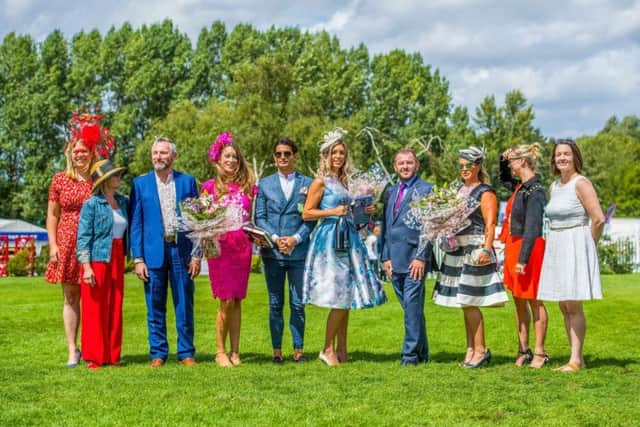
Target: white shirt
[[119, 224], [167, 196], [286, 183]]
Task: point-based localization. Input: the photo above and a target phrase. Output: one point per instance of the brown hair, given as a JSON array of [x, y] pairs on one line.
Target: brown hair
[[577, 157], [243, 175]]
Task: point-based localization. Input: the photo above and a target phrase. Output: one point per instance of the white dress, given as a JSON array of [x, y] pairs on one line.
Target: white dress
[[570, 270]]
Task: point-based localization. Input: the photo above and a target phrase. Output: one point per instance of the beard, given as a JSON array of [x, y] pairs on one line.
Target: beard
[[161, 165]]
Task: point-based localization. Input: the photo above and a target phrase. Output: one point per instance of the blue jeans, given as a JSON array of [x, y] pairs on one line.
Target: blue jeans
[[410, 293], [155, 291], [275, 271]]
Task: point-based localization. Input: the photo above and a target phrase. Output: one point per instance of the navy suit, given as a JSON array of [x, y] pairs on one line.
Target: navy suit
[[400, 245], [167, 262], [280, 216]]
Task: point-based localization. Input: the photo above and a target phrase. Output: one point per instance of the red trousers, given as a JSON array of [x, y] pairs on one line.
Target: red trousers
[[102, 309]]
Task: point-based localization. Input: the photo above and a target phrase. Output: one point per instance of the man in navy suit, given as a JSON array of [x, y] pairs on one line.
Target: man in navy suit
[[278, 211], [402, 262], [162, 253]]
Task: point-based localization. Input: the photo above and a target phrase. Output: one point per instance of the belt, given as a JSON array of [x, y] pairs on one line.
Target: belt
[[567, 227], [170, 239]]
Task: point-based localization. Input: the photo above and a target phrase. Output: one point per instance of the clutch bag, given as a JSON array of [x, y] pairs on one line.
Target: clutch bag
[[258, 236]]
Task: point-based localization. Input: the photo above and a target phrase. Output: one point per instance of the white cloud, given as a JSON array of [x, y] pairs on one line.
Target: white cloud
[[577, 61]]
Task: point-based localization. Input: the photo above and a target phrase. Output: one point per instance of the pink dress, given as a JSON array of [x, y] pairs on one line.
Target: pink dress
[[229, 272]]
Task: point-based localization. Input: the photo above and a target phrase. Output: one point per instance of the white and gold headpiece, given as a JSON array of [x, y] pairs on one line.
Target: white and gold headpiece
[[331, 137]]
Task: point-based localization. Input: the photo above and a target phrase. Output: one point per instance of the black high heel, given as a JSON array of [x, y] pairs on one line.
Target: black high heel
[[528, 357], [485, 359]]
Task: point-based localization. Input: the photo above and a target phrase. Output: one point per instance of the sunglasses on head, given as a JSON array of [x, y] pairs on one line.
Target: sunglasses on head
[[466, 166], [565, 141], [286, 154]]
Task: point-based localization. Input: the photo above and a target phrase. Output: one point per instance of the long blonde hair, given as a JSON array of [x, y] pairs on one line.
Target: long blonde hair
[[70, 170], [530, 153], [324, 163], [243, 175]]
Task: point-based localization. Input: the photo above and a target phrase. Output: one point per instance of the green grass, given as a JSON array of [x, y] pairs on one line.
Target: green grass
[[36, 387]]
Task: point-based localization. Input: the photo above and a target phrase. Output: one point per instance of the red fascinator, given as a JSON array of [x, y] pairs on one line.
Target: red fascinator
[[86, 126]]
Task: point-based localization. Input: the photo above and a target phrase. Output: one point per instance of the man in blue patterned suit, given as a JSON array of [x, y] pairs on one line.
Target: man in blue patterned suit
[[403, 264], [278, 211], [162, 253]]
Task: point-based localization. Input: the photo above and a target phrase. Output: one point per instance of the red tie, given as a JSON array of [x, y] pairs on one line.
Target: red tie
[[396, 205]]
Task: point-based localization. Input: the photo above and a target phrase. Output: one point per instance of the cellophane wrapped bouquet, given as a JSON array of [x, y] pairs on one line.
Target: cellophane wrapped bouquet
[[206, 219], [366, 188], [441, 214]]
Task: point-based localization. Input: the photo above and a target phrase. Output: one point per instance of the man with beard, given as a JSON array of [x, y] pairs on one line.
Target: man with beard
[[403, 263], [162, 253]]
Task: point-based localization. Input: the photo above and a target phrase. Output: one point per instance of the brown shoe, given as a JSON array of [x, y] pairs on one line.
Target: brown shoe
[[157, 363], [189, 361]]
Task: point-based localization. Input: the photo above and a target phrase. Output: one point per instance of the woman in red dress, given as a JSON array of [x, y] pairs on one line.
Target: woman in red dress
[[524, 248], [68, 190]]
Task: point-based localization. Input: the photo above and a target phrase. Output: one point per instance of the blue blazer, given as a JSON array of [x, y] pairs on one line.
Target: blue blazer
[[145, 220], [399, 242], [280, 216]]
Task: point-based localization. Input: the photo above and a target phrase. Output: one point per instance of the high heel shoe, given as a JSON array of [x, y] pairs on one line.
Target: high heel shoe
[[526, 355], [222, 360], [485, 359], [78, 360], [545, 359]]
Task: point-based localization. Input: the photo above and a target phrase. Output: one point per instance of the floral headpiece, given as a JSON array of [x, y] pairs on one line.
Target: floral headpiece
[[85, 126], [225, 138], [331, 137]]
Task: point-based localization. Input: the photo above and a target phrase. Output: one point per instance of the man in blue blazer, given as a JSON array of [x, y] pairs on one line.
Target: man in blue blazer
[[278, 211], [162, 253], [402, 262]]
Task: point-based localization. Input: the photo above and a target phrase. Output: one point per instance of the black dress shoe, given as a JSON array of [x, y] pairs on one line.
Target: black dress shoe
[[277, 360]]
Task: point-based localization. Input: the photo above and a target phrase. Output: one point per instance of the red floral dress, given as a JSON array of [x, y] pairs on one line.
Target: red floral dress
[[70, 194]]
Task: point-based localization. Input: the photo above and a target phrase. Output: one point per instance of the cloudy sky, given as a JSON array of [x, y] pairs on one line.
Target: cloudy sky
[[577, 61]]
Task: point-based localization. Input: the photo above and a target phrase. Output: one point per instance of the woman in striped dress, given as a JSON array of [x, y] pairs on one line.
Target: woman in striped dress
[[468, 276]]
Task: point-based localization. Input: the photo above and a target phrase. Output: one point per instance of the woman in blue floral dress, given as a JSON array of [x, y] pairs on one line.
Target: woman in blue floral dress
[[337, 276]]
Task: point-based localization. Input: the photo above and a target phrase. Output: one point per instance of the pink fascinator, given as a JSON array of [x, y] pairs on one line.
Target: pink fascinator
[[225, 138]]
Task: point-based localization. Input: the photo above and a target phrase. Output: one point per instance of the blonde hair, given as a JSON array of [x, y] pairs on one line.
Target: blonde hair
[[70, 170], [530, 153], [324, 163], [243, 175]]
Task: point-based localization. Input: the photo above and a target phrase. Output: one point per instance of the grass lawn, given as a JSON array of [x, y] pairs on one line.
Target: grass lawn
[[37, 389]]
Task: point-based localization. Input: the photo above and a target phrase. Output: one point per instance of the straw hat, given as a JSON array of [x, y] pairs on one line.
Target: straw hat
[[102, 170]]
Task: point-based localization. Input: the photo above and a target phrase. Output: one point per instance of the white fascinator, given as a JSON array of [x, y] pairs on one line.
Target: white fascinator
[[331, 137]]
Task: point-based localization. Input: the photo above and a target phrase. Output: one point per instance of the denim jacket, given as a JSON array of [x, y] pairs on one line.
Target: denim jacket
[[95, 229]]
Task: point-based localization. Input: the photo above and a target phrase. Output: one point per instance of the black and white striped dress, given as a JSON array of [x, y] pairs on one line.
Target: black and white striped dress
[[461, 283]]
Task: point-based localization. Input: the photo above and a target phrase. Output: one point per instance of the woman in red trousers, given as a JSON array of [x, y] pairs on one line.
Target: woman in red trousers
[[101, 249]]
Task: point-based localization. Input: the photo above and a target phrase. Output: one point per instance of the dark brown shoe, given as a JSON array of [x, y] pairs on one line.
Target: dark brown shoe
[[189, 361], [157, 363]]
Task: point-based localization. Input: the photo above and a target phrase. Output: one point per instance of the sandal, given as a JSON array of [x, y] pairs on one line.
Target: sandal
[[234, 357], [222, 360], [545, 360], [524, 356], [569, 367]]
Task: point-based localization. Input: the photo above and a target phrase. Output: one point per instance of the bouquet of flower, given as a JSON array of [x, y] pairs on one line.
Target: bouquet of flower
[[365, 188], [206, 220], [440, 215]]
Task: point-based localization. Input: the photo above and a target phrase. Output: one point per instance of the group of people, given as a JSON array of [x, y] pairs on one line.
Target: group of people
[[317, 250]]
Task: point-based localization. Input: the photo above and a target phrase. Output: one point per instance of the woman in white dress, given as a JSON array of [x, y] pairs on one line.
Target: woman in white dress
[[570, 272]]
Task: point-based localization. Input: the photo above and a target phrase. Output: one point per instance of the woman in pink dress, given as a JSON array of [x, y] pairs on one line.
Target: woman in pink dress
[[67, 192], [229, 270]]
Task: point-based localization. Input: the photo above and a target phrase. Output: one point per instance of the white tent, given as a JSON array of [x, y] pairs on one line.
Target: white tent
[[18, 228]]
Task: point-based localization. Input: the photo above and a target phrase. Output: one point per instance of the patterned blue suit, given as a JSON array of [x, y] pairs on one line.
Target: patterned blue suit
[[167, 262], [280, 216], [400, 245]]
